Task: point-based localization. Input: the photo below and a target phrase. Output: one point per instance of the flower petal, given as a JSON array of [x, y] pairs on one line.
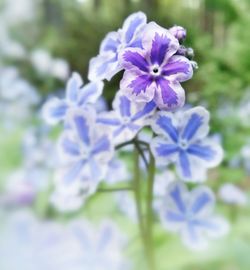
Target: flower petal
[[132, 26], [110, 43], [195, 124], [54, 110], [209, 151], [146, 111], [190, 169], [134, 58], [90, 93], [73, 87], [159, 42], [202, 201], [103, 66], [169, 95], [137, 87], [164, 151], [122, 104], [178, 68], [165, 124], [82, 122]]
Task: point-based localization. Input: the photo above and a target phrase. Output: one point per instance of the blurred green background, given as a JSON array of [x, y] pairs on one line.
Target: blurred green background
[[218, 31]]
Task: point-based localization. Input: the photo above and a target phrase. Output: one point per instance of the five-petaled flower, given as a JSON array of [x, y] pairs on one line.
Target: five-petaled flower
[[183, 141], [155, 72], [107, 64], [127, 117], [85, 151], [77, 96], [190, 213]]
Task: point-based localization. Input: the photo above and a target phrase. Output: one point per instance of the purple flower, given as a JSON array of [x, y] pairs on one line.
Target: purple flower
[[183, 141], [77, 96], [85, 151], [106, 64], [191, 215], [127, 117], [154, 72]]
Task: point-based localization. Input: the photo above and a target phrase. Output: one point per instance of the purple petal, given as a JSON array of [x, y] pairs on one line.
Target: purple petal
[[159, 43], [135, 59], [140, 84], [179, 68], [159, 49], [169, 95], [137, 87]]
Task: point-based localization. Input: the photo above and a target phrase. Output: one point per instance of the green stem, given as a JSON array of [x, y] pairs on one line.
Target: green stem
[[138, 195], [115, 189], [150, 213]]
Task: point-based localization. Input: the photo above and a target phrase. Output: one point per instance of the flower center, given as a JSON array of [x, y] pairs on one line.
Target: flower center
[[155, 70], [126, 120], [183, 144]]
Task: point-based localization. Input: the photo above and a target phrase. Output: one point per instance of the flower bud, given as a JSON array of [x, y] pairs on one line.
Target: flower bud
[[179, 32]]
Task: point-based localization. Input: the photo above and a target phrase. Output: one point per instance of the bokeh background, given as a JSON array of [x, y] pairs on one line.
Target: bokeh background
[[42, 41]]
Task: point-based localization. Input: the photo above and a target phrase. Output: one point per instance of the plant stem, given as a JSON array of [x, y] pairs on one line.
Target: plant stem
[[150, 213], [138, 195], [115, 189], [131, 142]]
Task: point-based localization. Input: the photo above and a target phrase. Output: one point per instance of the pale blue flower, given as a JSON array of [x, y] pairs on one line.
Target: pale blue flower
[[127, 118], [182, 140], [101, 248], [106, 64], [231, 194], [48, 245], [117, 171], [85, 150], [190, 214], [77, 96]]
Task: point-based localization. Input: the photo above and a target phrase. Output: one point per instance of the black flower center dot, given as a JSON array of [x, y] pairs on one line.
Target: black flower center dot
[[155, 70]]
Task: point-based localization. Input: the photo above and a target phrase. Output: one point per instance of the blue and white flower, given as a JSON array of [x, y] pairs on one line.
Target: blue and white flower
[[77, 96], [127, 117], [183, 141], [190, 214], [106, 64], [85, 151]]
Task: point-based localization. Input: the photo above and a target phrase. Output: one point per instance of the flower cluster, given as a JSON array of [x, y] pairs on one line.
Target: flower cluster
[[154, 63]]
